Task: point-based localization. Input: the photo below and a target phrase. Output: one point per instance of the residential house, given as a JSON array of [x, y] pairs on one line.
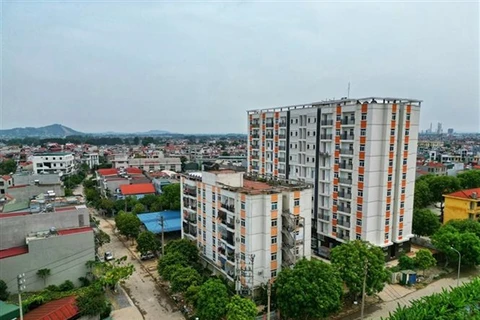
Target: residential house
[[136, 190], [464, 204], [54, 162]]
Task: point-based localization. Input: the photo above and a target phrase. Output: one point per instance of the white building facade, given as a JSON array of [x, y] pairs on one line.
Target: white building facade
[[246, 230], [91, 159], [360, 155], [58, 162]]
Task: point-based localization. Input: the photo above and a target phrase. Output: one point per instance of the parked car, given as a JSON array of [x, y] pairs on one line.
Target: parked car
[[149, 255], [108, 256]]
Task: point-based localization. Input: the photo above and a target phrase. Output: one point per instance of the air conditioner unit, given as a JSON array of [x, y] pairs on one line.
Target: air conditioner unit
[[238, 220]]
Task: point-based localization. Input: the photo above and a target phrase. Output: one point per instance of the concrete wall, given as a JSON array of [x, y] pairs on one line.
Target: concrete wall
[[27, 192], [13, 230], [65, 256], [21, 179]]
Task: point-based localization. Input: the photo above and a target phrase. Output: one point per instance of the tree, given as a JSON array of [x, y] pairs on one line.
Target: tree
[[91, 302], [424, 260], [170, 262], [422, 197], [138, 208], [425, 222], [147, 241], [148, 200], [212, 300], [44, 274], [185, 247], [191, 294], [110, 274], [440, 185], [311, 290], [469, 179], [101, 238], [128, 224], [119, 205], [107, 205], [171, 196], [241, 309], [8, 166], [184, 277], [4, 294], [453, 234], [406, 263], [351, 258]]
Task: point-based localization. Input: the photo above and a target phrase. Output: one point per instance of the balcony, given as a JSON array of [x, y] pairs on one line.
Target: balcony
[[344, 236], [281, 171], [345, 195], [230, 224], [324, 153], [255, 156], [282, 148], [344, 209], [326, 136], [347, 137], [344, 223], [324, 217], [345, 181], [255, 124], [228, 237], [282, 124], [346, 166], [346, 151], [269, 136], [192, 192], [326, 122], [350, 121], [282, 136], [229, 207], [255, 136], [281, 159], [269, 124], [231, 255]]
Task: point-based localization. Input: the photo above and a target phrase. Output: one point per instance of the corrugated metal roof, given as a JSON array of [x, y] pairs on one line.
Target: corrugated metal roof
[[62, 309], [172, 221], [141, 188]]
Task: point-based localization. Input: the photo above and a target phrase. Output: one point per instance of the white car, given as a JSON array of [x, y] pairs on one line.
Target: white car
[[108, 256]]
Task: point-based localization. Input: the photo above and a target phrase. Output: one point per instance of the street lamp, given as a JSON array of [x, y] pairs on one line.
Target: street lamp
[[459, 264], [21, 287]]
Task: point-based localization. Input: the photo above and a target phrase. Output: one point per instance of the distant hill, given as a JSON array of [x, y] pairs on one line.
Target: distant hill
[[51, 131]]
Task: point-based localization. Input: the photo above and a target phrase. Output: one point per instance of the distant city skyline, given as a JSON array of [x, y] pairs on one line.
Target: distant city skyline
[[198, 67]]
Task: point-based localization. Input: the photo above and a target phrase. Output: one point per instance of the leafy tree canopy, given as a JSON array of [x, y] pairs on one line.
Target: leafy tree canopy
[[469, 179], [128, 224], [212, 300], [3, 291], [185, 247], [422, 196], [350, 259], [8, 166], [424, 259], [425, 222], [241, 309], [91, 302], [170, 262], [138, 208], [311, 290], [184, 277], [147, 241]]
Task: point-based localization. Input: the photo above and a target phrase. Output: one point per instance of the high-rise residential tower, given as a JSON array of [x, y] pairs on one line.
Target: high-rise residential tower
[[359, 154]]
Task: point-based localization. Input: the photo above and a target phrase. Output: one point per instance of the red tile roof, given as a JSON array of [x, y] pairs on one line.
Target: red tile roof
[[465, 194], [141, 188], [61, 309], [436, 164], [73, 231], [134, 170], [107, 172], [12, 252], [6, 177]]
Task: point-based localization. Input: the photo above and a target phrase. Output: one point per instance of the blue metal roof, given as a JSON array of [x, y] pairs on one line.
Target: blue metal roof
[[172, 221]]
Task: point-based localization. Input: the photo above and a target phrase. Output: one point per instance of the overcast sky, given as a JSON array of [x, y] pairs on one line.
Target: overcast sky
[[197, 67]]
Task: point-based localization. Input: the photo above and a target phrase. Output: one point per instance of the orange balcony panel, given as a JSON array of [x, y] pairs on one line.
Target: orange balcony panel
[[407, 139], [335, 167], [361, 170], [409, 108], [393, 123], [400, 237], [358, 229], [337, 139], [335, 181], [334, 222], [359, 215], [390, 170], [263, 149], [394, 107], [392, 139], [274, 198], [363, 124], [402, 197], [273, 231], [387, 214], [360, 200], [404, 183], [407, 125], [387, 229], [263, 127], [264, 115], [242, 248], [243, 196], [337, 153], [273, 248], [405, 154], [296, 194], [296, 210], [364, 107], [361, 155], [277, 114], [389, 199], [400, 225], [251, 137], [273, 265], [251, 116], [243, 214], [360, 185], [339, 109], [274, 214], [275, 161], [338, 125], [334, 234], [276, 150], [363, 140], [276, 138], [334, 209], [275, 172], [390, 155], [335, 195], [402, 211], [386, 241], [404, 168], [276, 127], [389, 185], [243, 231]]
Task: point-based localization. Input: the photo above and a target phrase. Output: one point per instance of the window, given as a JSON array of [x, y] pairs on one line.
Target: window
[[408, 117], [362, 147], [390, 163], [274, 222], [363, 132], [274, 206], [296, 202], [387, 222], [274, 257], [359, 207], [386, 236], [213, 212], [242, 239], [392, 132], [361, 163], [360, 193], [273, 274], [392, 147], [402, 205], [243, 205], [404, 162], [359, 222], [339, 117], [214, 228], [337, 132], [404, 176], [274, 240], [204, 223], [387, 207], [204, 236], [407, 132], [394, 116], [199, 218], [389, 177], [242, 222], [360, 178], [364, 116], [405, 148], [203, 208], [358, 236], [400, 233], [403, 190], [334, 229], [335, 202], [400, 219], [389, 193], [335, 188], [337, 147], [203, 194]]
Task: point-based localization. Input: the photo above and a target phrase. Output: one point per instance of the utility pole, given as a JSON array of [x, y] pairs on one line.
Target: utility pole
[[252, 258], [163, 235], [269, 293], [363, 289], [21, 287]]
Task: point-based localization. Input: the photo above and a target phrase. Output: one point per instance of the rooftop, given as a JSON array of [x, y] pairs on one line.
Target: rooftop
[[465, 194], [61, 309], [53, 154], [141, 188], [107, 172], [11, 252]]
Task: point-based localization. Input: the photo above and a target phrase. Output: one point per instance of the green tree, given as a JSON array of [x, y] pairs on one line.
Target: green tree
[[469, 179], [171, 196], [424, 260], [351, 258], [148, 200], [185, 247], [147, 241], [466, 242], [4, 294], [101, 238], [422, 197], [406, 263], [212, 300], [44, 274], [107, 205], [425, 222], [128, 225], [8, 167], [110, 274], [191, 295], [91, 302], [184, 277], [466, 225], [241, 309], [157, 205], [138, 208], [311, 290], [131, 202], [169, 263], [440, 185]]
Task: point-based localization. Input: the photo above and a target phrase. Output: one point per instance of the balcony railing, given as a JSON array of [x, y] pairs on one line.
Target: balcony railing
[[345, 195], [229, 207], [345, 224], [326, 122], [346, 166], [346, 151], [255, 156], [326, 136], [269, 136], [324, 153], [282, 136], [283, 148], [325, 217], [348, 121], [255, 136], [347, 137], [345, 180], [344, 236], [190, 192], [269, 124], [281, 159], [283, 124], [230, 224], [344, 209], [281, 171]]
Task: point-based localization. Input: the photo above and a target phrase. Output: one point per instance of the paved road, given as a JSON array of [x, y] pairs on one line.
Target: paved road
[[140, 286], [405, 298]]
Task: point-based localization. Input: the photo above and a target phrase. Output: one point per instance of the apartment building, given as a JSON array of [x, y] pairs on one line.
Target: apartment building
[[360, 155], [54, 162], [246, 229]]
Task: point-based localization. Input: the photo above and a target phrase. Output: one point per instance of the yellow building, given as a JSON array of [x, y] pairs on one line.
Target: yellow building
[[463, 204]]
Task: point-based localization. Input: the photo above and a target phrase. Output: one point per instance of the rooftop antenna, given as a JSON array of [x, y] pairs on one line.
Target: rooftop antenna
[[348, 91]]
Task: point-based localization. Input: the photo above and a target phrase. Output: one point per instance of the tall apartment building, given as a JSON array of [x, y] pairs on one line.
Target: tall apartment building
[[246, 229], [359, 154]]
